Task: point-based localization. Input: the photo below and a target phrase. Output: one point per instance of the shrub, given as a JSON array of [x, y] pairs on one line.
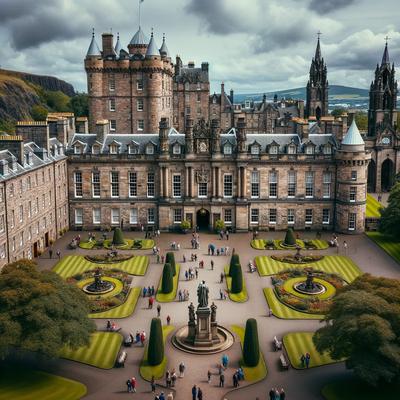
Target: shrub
[[185, 225], [219, 225], [167, 284], [155, 353], [251, 348], [170, 259], [290, 239], [118, 237], [234, 260], [237, 279]]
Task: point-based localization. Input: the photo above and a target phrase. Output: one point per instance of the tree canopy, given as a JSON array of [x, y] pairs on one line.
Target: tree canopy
[[40, 312], [363, 326], [79, 105], [390, 216]]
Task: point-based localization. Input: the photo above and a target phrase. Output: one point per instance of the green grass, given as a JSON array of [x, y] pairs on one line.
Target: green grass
[[146, 244], [24, 384], [146, 370], [300, 343], [284, 312], [124, 310], [330, 289], [101, 352], [339, 265], [251, 374], [166, 298], [238, 297], [387, 243], [352, 388], [259, 244], [373, 207], [87, 245], [71, 265]]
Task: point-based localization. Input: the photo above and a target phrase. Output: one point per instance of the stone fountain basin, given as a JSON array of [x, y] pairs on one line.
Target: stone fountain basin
[[289, 286], [116, 287]]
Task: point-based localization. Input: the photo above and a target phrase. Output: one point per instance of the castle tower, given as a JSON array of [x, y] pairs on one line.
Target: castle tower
[[138, 43], [382, 113], [351, 190], [317, 86]]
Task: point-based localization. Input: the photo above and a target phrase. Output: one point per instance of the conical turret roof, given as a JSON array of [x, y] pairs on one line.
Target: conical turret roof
[[118, 46], [318, 51], [93, 49], [152, 48], [139, 38], [385, 57], [353, 136], [164, 49]]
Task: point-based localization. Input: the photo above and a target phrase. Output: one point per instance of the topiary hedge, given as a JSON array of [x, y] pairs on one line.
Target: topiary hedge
[[155, 353], [237, 279], [167, 284], [118, 237], [170, 259], [234, 261], [290, 239], [251, 347]]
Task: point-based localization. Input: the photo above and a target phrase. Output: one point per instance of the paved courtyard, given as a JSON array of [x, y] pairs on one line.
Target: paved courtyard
[[304, 384]]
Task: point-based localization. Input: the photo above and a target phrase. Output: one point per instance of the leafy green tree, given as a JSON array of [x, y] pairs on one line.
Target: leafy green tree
[[170, 259], [167, 284], [219, 225], [57, 100], [251, 347], [361, 118], [363, 326], [234, 260], [79, 105], [338, 112], [290, 239], [39, 112], [118, 237], [155, 353], [390, 216], [40, 312], [237, 279]]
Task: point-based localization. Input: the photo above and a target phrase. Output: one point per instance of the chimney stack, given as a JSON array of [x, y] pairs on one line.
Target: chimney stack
[[102, 129], [108, 46]]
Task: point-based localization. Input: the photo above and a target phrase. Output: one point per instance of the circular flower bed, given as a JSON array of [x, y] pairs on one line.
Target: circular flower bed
[[299, 243], [106, 259], [285, 281], [297, 259]]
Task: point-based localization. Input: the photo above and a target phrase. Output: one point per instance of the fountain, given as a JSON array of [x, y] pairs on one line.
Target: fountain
[[309, 286], [98, 286]]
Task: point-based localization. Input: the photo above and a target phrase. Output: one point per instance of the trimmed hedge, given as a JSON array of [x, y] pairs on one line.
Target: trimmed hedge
[[290, 239], [170, 259], [167, 279], [234, 260], [237, 278], [118, 237], [155, 353], [251, 348]]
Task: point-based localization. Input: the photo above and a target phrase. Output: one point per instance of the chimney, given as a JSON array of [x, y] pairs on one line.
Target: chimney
[[191, 64], [102, 129], [15, 145], [231, 96], [34, 131], [82, 125], [108, 47], [204, 66], [163, 136]]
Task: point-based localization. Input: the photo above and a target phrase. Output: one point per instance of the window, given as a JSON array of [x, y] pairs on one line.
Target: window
[[113, 148], [353, 193], [28, 183], [227, 149], [149, 149], [176, 185], [114, 184], [77, 149], [327, 150], [176, 149], [309, 150], [96, 216], [255, 184], [198, 97], [150, 184], [111, 104], [139, 105], [132, 184], [272, 216], [292, 149], [352, 221], [151, 215], [254, 216], [177, 215], [309, 216], [133, 216], [309, 184], [79, 216], [255, 150], [202, 189], [133, 149], [111, 83], [21, 213], [327, 180], [78, 184], [115, 216], [113, 125], [140, 124], [291, 184], [3, 251], [290, 216], [353, 175], [139, 84], [96, 184], [273, 184], [2, 223], [326, 215], [228, 216], [273, 149], [228, 185]]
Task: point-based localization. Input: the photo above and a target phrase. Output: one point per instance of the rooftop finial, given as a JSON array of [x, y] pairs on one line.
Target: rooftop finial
[[163, 36], [152, 32], [93, 32]]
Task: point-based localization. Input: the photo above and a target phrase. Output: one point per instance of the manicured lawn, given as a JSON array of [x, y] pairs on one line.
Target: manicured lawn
[[24, 384], [387, 244], [352, 388], [166, 298], [238, 297], [284, 312], [251, 374], [340, 265], [259, 244], [146, 244], [101, 352], [373, 207], [300, 343], [146, 370], [72, 265], [124, 310]]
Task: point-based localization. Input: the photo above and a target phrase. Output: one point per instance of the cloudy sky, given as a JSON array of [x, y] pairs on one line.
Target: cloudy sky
[[251, 45]]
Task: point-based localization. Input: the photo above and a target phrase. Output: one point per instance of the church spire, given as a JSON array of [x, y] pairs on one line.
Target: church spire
[[385, 57], [318, 49]]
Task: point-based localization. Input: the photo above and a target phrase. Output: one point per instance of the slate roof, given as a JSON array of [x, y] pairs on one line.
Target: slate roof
[[93, 49], [139, 38], [353, 136]]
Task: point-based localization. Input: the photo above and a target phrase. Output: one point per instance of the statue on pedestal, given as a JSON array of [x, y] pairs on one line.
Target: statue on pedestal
[[191, 312], [202, 294], [213, 312]]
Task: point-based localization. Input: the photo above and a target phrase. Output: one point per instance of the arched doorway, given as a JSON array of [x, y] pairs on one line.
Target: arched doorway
[[387, 175], [203, 219], [371, 185]]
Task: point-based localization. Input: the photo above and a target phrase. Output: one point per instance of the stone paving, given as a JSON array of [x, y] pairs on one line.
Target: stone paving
[[298, 385]]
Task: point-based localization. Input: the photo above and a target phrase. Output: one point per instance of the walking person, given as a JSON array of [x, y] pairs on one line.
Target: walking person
[[168, 379], [181, 370], [158, 310], [168, 319], [208, 376], [212, 265], [129, 386], [308, 357], [153, 384], [221, 380], [199, 394], [345, 247], [194, 392], [282, 394], [51, 252], [235, 380], [303, 361], [272, 394], [221, 280], [133, 383], [170, 396], [58, 254]]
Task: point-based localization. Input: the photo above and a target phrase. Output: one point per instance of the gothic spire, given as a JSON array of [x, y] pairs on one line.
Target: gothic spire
[[318, 50], [385, 57]]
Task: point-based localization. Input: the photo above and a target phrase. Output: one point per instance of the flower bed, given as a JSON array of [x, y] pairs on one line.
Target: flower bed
[[276, 244], [293, 259], [106, 259]]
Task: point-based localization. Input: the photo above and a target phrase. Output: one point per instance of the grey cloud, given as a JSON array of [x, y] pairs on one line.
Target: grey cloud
[[326, 6]]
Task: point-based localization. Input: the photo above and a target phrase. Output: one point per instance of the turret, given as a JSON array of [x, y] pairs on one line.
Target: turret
[[164, 49], [138, 43], [93, 50], [152, 49]]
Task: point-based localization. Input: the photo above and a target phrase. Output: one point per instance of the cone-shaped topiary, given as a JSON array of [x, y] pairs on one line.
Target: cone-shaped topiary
[[167, 279], [155, 353], [237, 279], [251, 348], [234, 260], [170, 259], [290, 240], [118, 237]]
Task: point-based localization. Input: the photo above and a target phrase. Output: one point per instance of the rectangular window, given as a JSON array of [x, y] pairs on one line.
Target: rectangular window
[[114, 184], [273, 184], [177, 215], [309, 216], [111, 104], [273, 215], [326, 215], [140, 124], [2, 223], [176, 185], [255, 184], [202, 189], [151, 215], [139, 105], [353, 175], [21, 213], [290, 216], [133, 216], [309, 184], [78, 184], [352, 221], [254, 216], [111, 83], [96, 216], [228, 216], [113, 125], [291, 184], [115, 216], [150, 184], [79, 216], [96, 184], [327, 180], [139, 84], [353, 193], [132, 184], [228, 185]]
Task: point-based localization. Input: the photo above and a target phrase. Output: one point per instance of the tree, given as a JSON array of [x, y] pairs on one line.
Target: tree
[[234, 260], [251, 347], [185, 225], [39, 113], [57, 100], [290, 240], [167, 284], [219, 225], [237, 279], [338, 112], [155, 353], [118, 237], [40, 312], [79, 105], [361, 118], [170, 259], [390, 216], [363, 327]]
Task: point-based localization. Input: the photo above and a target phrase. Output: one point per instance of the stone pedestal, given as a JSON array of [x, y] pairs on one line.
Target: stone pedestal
[[214, 332], [203, 327]]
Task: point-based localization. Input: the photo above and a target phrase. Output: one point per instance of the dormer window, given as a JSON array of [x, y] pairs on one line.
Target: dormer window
[[327, 150], [133, 149], [95, 149], [291, 149], [273, 149], [255, 150], [77, 149], [113, 149], [214, 100], [227, 149], [150, 149], [176, 149], [247, 104], [309, 149]]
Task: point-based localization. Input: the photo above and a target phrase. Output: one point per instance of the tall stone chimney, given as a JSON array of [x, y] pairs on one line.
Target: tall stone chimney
[[108, 46], [15, 145], [102, 129]]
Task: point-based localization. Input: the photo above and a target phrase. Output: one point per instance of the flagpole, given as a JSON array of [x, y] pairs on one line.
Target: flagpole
[[139, 11]]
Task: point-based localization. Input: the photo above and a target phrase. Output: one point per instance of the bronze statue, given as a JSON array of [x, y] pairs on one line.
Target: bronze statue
[[310, 281], [202, 294], [191, 312]]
